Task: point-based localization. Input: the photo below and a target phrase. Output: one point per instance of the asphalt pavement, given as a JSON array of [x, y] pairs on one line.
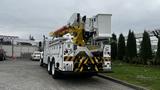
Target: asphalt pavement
[[24, 74]]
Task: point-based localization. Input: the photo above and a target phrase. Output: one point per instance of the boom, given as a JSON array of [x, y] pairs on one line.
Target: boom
[[76, 30]]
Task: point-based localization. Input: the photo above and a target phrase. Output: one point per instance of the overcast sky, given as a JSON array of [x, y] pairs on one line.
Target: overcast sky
[[37, 17]]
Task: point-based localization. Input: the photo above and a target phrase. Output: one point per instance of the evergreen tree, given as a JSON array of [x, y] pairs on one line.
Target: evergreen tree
[[157, 59], [131, 48], [113, 46], [134, 45], [128, 47], [145, 50], [121, 47]]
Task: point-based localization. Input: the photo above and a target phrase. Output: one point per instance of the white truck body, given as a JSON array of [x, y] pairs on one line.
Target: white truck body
[[61, 49]]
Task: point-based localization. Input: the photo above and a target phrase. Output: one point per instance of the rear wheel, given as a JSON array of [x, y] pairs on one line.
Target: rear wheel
[[1, 58], [49, 67], [55, 73]]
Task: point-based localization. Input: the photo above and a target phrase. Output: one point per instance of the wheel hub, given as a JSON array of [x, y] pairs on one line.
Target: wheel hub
[[49, 66]]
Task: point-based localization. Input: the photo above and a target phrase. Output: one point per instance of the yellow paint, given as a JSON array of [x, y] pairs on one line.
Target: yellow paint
[[81, 61], [96, 68], [81, 69], [92, 60], [86, 61]]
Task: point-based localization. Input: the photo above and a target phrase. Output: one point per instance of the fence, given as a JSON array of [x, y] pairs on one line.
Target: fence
[[19, 50]]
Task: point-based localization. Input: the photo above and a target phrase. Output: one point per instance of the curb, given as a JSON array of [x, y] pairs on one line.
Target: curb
[[122, 82]]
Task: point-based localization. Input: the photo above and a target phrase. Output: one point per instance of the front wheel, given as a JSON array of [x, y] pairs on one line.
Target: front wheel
[[41, 62]]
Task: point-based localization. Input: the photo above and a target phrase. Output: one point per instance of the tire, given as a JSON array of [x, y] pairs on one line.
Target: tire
[[55, 73], [41, 63], [49, 68], [1, 59]]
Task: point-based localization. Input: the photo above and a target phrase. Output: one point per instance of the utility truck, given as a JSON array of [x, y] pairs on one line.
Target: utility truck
[[78, 46]]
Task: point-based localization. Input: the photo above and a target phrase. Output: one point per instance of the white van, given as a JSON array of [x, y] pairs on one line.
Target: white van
[[37, 55]]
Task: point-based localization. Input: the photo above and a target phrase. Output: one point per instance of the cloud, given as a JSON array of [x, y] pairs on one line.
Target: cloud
[[38, 17]]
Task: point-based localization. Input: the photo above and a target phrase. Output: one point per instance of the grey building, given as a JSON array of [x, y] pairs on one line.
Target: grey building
[[14, 46]]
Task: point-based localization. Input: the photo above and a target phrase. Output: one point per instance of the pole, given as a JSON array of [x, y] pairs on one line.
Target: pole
[[1, 42], [44, 42], [12, 49]]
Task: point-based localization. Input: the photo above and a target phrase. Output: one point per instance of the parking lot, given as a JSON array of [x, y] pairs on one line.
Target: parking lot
[[24, 74]]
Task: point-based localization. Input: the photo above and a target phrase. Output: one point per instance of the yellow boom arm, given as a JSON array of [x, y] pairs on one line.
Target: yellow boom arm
[[76, 31]]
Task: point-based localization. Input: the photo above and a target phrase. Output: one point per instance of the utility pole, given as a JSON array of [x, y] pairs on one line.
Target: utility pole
[[44, 41], [12, 49], [1, 42]]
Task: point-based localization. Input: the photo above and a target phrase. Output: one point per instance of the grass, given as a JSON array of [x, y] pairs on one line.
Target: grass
[[142, 75]]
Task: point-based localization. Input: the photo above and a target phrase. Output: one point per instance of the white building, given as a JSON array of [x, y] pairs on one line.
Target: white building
[[25, 42], [8, 38], [139, 37], [153, 39]]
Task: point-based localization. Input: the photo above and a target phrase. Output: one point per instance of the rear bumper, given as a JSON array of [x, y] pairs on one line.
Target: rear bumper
[[106, 71]]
